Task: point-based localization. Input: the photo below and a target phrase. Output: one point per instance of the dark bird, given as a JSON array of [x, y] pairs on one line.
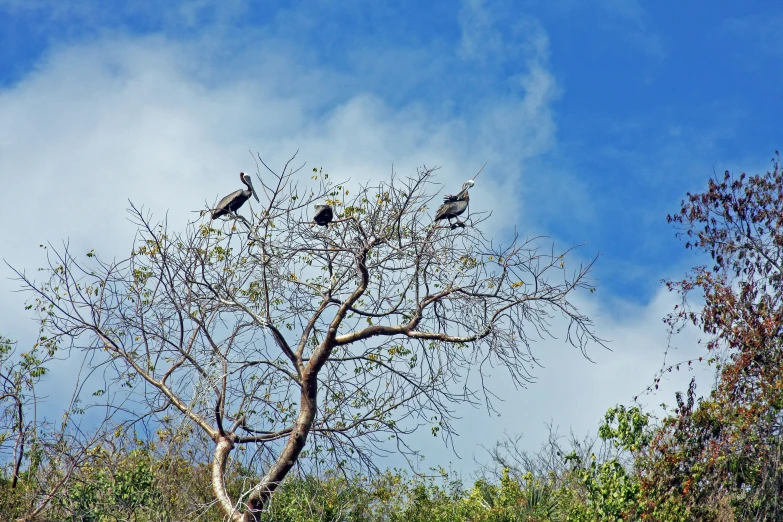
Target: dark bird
[[231, 203], [453, 206], [323, 215]]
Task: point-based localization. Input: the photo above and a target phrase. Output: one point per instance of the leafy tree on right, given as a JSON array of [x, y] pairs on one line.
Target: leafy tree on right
[[719, 458]]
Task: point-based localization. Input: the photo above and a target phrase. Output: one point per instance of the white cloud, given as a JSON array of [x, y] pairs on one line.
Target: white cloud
[[150, 120]]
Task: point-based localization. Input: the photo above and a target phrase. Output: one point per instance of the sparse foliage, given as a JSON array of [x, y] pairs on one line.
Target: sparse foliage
[[288, 345]]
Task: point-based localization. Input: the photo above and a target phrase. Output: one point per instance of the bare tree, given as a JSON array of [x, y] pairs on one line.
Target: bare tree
[[549, 463], [266, 331]]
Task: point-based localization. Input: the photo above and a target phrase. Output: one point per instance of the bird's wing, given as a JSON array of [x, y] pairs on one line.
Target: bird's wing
[[226, 201], [443, 211]]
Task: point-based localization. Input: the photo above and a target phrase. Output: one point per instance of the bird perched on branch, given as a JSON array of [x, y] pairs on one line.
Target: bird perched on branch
[[323, 215], [231, 203], [454, 206]]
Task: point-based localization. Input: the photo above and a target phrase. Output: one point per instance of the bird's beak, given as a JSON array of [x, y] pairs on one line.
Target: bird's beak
[[252, 189]]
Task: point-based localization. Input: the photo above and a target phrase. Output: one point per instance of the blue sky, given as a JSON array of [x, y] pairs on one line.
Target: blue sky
[[595, 118]]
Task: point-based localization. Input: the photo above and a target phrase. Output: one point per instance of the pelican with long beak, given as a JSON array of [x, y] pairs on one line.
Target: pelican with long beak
[[454, 206], [231, 203]]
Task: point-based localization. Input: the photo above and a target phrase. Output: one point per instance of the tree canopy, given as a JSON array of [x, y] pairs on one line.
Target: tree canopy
[[288, 344]]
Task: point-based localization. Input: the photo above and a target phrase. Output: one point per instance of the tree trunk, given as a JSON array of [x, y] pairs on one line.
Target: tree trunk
[[222, 450], [259, 497]]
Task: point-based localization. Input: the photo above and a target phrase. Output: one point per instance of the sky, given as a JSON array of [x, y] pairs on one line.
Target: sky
[[595, 118]]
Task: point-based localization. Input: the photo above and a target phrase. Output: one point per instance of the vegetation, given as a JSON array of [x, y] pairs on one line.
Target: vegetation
[[283, 345], [716, 457]]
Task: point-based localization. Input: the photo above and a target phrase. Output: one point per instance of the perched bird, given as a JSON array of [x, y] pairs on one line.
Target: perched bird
[[323, 215], [231, 203], [453, 206]]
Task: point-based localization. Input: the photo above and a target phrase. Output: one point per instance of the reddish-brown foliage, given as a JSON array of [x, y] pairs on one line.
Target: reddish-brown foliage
[[728, 447]]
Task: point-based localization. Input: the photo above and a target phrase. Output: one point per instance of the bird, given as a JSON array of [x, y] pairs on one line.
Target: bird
[[232, 202], [323, 215], [453, 206]]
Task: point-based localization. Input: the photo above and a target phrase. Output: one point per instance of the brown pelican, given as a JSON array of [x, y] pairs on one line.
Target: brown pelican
[[232, 202], [323, 215], [453, 206]]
